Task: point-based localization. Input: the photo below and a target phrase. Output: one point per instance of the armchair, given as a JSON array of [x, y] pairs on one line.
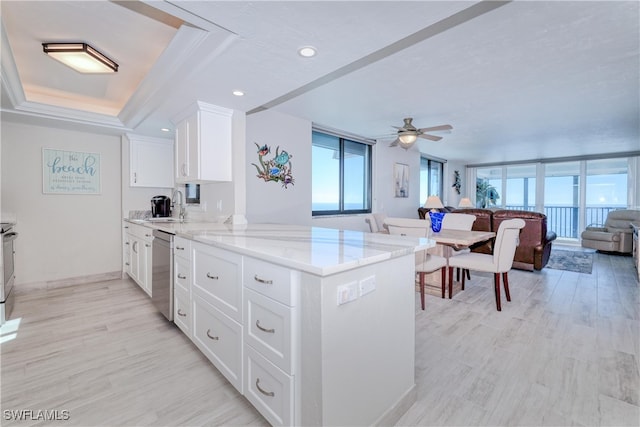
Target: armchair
[[616, 235]]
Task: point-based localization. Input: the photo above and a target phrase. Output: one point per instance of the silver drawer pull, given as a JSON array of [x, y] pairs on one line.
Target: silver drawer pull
[[179, 248], [126, 243], [266, 393], [212, 277], [180, 313], [269, 331], [209, 335], [265, 281], [180, 276]]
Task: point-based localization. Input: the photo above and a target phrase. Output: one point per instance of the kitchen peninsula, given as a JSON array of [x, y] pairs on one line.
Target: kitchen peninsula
[[314, 326]]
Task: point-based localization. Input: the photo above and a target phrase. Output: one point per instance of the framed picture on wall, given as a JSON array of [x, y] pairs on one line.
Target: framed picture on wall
[[401, 180], [70, 172]]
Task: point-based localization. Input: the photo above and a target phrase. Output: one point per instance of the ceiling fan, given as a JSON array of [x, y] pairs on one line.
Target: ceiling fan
[[408, 134]]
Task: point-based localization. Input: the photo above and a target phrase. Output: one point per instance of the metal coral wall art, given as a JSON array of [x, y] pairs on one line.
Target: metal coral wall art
[[277, 169], [456, 181]]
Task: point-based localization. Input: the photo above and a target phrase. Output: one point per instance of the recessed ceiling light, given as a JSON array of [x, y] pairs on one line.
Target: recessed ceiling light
[[307, 51], [238, 93], [165, 130]]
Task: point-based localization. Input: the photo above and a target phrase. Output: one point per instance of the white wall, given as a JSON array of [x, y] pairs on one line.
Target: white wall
[[451, 197], [271, 202], [60, 236]]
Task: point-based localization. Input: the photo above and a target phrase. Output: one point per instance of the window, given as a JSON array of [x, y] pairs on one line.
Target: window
[[341, 175], [488, 187], [430, 178], [606, 188], [520, 191]]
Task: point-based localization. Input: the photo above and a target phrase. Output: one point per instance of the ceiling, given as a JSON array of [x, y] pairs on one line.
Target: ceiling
[[517, 80]]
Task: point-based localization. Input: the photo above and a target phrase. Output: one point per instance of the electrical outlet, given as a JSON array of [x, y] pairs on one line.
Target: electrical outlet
[[347, 293], [367, 285]]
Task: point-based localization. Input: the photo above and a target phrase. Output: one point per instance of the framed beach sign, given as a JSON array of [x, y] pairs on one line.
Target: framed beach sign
[[70, 172], [401, 180]]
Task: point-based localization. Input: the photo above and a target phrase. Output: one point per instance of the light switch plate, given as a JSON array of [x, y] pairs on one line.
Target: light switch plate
[[347, 293], [367, 285]]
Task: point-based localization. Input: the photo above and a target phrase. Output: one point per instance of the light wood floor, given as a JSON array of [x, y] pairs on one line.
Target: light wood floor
[[564, 352]]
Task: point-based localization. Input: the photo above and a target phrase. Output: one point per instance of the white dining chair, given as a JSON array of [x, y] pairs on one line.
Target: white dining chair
[[458, 221], [425, 262], [500, 262]]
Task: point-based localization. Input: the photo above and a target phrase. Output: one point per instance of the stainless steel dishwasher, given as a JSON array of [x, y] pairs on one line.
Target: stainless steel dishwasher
[[162, 277]]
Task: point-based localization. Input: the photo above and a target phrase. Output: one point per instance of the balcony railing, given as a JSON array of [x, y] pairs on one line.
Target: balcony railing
[[564, 219]]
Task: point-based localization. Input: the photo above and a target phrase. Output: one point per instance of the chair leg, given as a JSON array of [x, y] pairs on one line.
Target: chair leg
[[468, 274], [463, 276], [443, 272], [457, 274], [422, 289], [450, 282], [496, 287], [505, 281]]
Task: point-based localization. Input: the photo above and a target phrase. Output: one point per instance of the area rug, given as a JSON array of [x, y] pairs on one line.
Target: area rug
[[578, 261]]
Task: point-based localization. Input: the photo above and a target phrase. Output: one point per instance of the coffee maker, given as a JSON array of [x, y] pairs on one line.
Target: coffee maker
[[160, 206]]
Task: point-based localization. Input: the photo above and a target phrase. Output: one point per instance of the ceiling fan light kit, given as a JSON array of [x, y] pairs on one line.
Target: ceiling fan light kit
[[407, 139], [408, 134], [81, 57]]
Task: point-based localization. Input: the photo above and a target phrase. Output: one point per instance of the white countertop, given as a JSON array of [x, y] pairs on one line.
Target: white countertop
[[320, 251]]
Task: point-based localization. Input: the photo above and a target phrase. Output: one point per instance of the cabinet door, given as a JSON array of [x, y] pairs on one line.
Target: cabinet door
[[151, 163], [220, 339], [146, 266], [135, 258], [181, 157], [127, 255], [193, 147]]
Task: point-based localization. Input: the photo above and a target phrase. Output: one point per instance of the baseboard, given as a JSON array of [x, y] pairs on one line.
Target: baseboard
[[23, 288], [393, 414]]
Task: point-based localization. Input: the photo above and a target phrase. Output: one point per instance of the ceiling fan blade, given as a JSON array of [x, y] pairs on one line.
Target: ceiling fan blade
[[430, 137], [394, 143], [435, 128]]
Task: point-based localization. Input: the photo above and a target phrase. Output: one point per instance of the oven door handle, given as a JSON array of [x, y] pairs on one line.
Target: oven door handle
[[7, 237]]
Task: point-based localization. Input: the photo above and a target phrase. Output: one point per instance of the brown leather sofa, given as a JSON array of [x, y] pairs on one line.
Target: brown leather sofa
[[535, 240]]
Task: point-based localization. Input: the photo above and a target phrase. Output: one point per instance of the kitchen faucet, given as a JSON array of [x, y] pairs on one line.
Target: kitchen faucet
[[181, 213]]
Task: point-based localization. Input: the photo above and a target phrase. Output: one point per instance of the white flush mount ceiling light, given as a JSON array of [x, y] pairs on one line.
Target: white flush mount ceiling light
[[307, 51], [81, 57], [238, 93]]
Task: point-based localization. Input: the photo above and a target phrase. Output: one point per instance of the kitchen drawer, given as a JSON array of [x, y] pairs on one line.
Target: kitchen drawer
[[268, 328], [218, 274], [182, 248], [276, 282], [269, 389], [144, 233], [182, 316], [220, 339], [182, 271]]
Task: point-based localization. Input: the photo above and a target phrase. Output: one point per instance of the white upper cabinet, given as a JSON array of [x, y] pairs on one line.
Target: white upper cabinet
[[151, 161], [204, 144]]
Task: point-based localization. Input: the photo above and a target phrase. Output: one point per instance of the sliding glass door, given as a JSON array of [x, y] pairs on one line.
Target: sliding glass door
[[573, 194]]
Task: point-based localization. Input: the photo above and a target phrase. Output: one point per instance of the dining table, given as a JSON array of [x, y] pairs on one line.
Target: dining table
[[458, 239]]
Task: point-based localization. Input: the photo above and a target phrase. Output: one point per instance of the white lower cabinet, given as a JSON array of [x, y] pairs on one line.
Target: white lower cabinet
[[242, 314], [182, 266], [268, 388], [182, 314], [138, 255], [268, 329], [220, 339]]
